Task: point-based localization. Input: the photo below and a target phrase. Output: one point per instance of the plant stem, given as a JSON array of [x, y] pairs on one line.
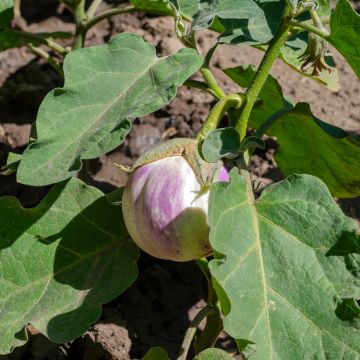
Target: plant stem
[[41, 40], [211, 81], [109, 13], [17, 8], [80, 33], [258, 82], [217, 112], [309, 27], [40, 52], [201, 86], [92, 8], [189, 335]]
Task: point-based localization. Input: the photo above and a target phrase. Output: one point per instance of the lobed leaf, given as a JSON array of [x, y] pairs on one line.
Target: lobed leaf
[[59, 262], [345, 33], [279, 260], [104, 87], [307, 144]]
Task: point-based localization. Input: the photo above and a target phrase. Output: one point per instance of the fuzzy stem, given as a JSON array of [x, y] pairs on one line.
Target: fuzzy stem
[[107, 14], [189, 335], [211, 81], [258, 82], [308, 27], [211, 123], [92, 8], [80, 33], [40, 52]]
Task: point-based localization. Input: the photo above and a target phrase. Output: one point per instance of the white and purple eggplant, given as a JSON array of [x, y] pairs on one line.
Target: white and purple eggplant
[[165, 201]]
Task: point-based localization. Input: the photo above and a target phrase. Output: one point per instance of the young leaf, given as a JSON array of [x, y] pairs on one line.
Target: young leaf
[[156, 353], [280, 259], [345, 34], [213, 354], [6, 12], [59, 262], [221, 143], [104, 87], [307, 144]]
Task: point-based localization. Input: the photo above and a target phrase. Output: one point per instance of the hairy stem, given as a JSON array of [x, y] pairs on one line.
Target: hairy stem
[[52, 62], [92, 8], [309, 27], [107, 14], [189, 335], [212, 83], [218, 111], [201, 86], [44, 41], [258, 82], [80, 33]]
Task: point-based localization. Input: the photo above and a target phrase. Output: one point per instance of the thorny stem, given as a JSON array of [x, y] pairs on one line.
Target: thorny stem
[[80, 18], [40, 52], [92, 8], [107, 14], [40, 40], [189, 335], [258, 82], [211, 123], [211, 81]]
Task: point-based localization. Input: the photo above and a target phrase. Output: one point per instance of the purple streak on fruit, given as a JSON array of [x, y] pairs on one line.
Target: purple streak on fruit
[[165, 211]]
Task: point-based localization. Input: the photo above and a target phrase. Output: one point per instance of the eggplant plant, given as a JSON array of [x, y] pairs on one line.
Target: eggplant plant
[[282, 268]]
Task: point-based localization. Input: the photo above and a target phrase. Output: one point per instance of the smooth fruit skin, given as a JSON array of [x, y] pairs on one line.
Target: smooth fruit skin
[[165, 213]]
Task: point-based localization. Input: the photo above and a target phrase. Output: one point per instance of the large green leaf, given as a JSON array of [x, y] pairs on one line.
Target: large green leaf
[[286, 268], [244, 22], [345, 33], [104, 87], [6, 12], [307, 144], [59, 262]]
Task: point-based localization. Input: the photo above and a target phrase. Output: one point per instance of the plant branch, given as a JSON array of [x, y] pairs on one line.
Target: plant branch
[[43, 54], [109, 13], [80, 18], [201, 86], [309, 27], [258, 82], [41, 40], [212, 83], [92, 8], [211, 123], [189, 335]]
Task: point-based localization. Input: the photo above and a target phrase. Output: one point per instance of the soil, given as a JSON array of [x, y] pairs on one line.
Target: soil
[[158, 308]]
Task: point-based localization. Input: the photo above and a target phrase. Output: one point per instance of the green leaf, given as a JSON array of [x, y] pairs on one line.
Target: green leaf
[[307, 144], [221, 143], [104, 87], [156, 353], [252, 142], [12, 164], [188, 7], [246, 22], [59, 262], [6, 12], [278, 270], [345, 34], [213, 354], [11, 39]]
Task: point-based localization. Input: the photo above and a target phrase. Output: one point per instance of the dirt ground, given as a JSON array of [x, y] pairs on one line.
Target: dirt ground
[[158, 308]]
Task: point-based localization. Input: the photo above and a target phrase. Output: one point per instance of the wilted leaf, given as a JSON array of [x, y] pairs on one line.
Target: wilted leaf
[[59, 262], [104, 87], [281, 271]]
